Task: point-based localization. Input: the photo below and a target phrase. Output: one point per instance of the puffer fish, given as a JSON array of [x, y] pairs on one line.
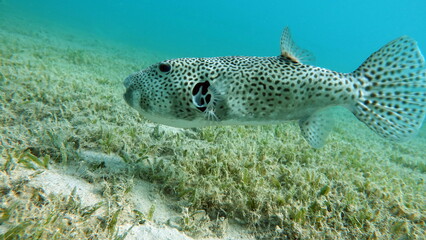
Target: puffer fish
[[387, 92]]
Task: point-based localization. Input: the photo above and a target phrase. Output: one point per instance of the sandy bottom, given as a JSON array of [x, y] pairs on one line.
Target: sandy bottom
[[60, 181]]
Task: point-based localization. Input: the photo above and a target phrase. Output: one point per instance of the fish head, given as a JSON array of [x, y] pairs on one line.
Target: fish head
[[172, 92]]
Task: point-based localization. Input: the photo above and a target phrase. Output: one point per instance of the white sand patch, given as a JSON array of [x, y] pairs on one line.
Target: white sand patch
[[56, 182], [153, 232], [144, 196]]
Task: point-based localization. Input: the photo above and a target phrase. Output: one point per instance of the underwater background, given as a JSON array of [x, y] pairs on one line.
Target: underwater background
[[341, 34], [75, 157]]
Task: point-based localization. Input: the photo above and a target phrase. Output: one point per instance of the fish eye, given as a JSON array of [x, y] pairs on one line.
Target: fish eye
[[164, 67]]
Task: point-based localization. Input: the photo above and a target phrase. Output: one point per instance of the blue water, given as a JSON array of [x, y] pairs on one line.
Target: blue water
[[341, 34]]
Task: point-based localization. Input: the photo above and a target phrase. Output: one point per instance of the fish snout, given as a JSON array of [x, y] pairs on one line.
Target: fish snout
[[128, 81], [128, 95]]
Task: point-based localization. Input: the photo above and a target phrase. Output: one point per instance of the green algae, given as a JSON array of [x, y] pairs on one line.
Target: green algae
[[265, 178]]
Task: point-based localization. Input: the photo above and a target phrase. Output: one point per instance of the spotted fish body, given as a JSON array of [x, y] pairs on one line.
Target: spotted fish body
[[387, 92]]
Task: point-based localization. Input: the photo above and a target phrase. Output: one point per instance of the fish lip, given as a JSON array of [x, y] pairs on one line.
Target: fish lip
[[128, 97], [128, 81], [128, 94]]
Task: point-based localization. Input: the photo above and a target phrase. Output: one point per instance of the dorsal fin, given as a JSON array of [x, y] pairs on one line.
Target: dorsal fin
[[290, 50]]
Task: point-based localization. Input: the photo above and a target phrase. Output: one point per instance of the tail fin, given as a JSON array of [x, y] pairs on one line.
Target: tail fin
[[393, 99]]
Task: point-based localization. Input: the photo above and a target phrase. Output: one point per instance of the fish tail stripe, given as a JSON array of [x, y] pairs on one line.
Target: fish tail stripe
[[393, 100]]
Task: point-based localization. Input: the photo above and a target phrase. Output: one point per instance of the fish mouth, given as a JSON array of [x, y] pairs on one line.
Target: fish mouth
[[128, 97], [128, 81]]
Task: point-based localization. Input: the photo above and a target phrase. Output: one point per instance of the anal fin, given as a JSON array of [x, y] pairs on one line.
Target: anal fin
[[316, 128]]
